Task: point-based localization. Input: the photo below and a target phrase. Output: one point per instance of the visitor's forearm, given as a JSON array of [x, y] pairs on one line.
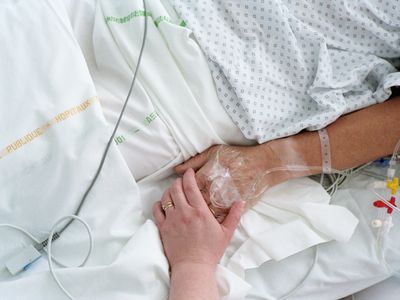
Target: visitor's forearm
[[195, 282], [356, 138]]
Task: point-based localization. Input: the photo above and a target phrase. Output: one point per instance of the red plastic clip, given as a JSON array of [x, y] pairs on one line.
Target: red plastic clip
[[380, 203]]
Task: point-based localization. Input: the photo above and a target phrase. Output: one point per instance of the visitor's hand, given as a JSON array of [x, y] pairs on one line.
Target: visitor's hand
[[189, 232], [226, 174]]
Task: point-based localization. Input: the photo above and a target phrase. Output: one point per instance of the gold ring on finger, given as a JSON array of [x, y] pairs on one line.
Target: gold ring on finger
[[167, 205]]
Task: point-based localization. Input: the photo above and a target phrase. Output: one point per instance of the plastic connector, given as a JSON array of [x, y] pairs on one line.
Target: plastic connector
[[393, 185], [22, 260], [391, 172], [378, 185]]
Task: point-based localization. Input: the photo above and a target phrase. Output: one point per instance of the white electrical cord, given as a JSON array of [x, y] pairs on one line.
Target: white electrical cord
[[54, 234], [50, 256], [20, 229]]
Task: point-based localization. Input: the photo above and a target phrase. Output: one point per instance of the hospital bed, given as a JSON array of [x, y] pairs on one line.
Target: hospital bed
[[75, 76]]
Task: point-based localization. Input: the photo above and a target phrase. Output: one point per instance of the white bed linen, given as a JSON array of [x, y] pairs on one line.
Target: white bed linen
[[341, 269], [128, 260], [385, 290], [298, 212], [44, 75], [152, 186]]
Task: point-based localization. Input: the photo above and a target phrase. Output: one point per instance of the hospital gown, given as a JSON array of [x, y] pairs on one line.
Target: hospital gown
[[284, 66]]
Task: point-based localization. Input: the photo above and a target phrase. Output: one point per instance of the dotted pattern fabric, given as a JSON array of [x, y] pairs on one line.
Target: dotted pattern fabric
[[281, 66]]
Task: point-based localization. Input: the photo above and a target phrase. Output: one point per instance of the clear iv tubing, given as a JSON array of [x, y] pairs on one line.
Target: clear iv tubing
[[380, 244], [383, 200], [295, 168], [226, 185], [392, 162], [342, 177], [304, 168], [290, 168], [380, 239], [224, 192]]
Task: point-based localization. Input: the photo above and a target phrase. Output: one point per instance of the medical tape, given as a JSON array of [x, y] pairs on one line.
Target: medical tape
[[325, 151], [37, 132]]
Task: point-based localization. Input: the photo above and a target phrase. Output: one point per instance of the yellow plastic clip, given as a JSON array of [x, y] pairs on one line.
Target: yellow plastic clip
[[393, 185]]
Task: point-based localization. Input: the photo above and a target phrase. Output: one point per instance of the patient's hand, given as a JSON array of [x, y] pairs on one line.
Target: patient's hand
[[189, 232], [226, 174]]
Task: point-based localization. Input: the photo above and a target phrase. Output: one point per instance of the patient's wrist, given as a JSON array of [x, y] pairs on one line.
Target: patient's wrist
[[301, 150]]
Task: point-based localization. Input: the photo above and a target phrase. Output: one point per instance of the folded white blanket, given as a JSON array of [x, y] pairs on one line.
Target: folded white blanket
[[52, 136]]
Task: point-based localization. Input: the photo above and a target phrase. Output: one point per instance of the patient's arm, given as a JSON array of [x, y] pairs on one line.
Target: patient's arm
[[355, 139]]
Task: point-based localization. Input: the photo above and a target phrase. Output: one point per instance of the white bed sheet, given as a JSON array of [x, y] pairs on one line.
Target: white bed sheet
[[385, 290], [291, 217], [128, 261], [43, 175], [342, 268], [153, 185]]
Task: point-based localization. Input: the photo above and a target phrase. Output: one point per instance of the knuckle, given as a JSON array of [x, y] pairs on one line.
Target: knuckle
[[211, 151], [200, 155], [156, 208], [165, 196], [199, 214], [219, 148], [173, 191], [236, 218], [186, 219], [176, 186], [189, 188]]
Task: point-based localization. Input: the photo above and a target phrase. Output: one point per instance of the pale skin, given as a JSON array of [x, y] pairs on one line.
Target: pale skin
[[194, 241]]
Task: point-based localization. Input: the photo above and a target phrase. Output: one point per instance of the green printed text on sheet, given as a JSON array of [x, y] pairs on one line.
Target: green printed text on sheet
[[141, 13]]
